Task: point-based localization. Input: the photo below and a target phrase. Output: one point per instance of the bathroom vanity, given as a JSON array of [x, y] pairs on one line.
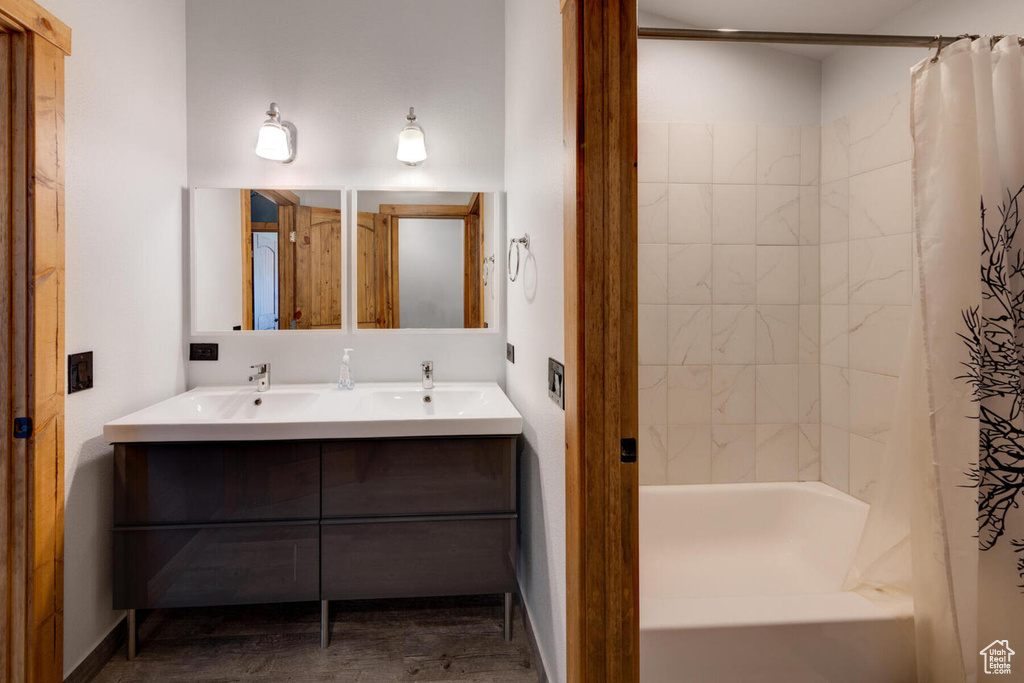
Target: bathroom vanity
[[219, 500]]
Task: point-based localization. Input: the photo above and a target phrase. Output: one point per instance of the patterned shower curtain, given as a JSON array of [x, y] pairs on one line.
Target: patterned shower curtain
[[948, 526]]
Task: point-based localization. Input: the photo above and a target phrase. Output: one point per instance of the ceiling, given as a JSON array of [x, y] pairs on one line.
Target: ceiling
[[823, 16]]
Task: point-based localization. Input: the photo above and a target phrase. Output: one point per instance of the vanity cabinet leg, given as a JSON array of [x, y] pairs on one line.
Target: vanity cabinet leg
[[508, 617], [325, 625], [131, 634]]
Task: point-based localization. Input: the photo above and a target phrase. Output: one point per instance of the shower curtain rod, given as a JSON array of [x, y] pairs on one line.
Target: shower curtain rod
[[793, 38]]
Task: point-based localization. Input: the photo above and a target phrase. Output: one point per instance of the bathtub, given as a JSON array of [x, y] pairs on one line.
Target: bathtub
[[743, 582]]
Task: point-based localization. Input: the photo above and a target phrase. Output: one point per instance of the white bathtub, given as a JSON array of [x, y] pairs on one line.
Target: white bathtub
[[743, 582]]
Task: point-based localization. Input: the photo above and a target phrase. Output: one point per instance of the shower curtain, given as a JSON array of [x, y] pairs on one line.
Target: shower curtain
[[953, 479]]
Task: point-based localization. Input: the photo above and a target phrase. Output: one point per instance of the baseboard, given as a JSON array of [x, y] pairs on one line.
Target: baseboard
[[531, 637], [100, 655]]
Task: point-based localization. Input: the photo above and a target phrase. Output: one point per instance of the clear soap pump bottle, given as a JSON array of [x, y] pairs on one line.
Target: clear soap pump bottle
[[345, 375]]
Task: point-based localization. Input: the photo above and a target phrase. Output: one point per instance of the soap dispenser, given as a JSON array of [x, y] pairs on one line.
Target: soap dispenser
[[345, 375]]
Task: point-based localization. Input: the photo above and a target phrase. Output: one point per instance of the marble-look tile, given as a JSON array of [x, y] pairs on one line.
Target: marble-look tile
[[734, 214], [777, 394], [810, 215], [835, 273], [732, 274], [732, 394], [880, 270], [689, 394], [835, 150], [652, 153], [777, 334], [810, 155], [835, 335], [810, 323], [778, 155], [778, 275], [865, 467], [733, 452], [733, 335], [872, 397], [809, 452], [652, 324], [835, 457], [835, 397], [689, 214], [810, 275], [653, 396], [652, 273], [835, 212], [878, 338], [689, 273], [653, 443], [652, 213], [880, 202], [777, 452], [689, 454], [880, 133], [809, 407], [689, 156], [735, 154], [778, 214], [689, 335]]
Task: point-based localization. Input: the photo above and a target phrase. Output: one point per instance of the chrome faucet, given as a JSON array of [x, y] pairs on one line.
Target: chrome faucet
[[428, 374], [260, 375]]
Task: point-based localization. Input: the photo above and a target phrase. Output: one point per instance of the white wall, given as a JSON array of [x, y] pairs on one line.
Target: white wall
[[325, 64], [218, 270], [856, 76], [431, 272], [725, 83], [126, 175], [533, 176]]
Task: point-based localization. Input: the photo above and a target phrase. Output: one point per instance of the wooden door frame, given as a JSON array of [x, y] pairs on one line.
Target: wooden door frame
[[601, 423], [32, 347]]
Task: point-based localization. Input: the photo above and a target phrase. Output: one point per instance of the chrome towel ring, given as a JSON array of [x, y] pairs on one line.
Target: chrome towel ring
[[515, 242]]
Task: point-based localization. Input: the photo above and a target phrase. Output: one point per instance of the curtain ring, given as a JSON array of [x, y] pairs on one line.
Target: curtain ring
[[515, 242], [938, 52]]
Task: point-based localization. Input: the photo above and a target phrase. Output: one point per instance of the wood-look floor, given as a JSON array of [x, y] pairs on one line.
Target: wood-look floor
[[451, 639]]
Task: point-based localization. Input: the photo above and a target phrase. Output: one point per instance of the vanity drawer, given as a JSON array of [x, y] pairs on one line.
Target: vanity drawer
[[216, 482], [400, 559], [220, 564], [418, 476]]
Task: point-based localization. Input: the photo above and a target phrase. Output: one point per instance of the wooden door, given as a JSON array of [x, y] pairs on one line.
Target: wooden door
[[317, 268], [374, 282], [33, 44]]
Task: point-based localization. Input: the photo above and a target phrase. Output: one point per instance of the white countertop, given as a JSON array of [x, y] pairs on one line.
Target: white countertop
[[322, 411]]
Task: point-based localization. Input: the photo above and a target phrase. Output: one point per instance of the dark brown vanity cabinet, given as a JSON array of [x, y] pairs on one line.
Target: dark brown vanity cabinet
[[205, 524]]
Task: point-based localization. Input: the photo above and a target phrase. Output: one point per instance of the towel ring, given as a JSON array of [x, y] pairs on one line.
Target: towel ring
[[515, 242]]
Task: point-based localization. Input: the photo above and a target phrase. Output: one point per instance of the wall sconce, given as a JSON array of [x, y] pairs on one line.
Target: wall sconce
[[277, 140], [412, 148]]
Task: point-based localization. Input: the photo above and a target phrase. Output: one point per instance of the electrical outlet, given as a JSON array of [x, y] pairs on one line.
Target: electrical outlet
[[202, 351], [510, 353], [79, 372], [556, 382]]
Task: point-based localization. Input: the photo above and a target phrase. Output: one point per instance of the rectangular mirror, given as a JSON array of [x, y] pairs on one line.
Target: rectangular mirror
[[425, 260], [266, 259]]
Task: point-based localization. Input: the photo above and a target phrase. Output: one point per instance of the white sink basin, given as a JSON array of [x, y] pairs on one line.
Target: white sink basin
[[321, 411]]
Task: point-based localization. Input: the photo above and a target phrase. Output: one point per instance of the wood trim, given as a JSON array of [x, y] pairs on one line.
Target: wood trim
[[394, 307], [246, 198], [26, 16], [425, 210], [281, 197], [257, 226], [473, 268], [600, 105], [286, 267]]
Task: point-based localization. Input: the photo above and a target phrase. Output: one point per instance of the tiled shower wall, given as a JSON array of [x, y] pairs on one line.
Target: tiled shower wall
[[866, 268], [729, 303]]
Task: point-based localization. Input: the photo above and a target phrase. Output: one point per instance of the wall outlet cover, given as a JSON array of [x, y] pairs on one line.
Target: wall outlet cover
[[510, 353], [79, 372], [556, 382], [202, 351]]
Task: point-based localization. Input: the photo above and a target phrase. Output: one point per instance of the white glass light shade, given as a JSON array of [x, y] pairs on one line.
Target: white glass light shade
[[273, 142], [412, 146]]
